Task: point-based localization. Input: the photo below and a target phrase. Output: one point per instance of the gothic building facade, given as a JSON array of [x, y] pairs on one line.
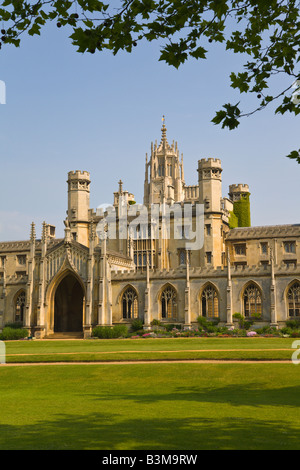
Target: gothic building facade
[[140, 261]]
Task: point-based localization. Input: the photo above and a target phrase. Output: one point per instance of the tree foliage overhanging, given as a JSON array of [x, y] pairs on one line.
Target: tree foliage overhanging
[[267, 32]]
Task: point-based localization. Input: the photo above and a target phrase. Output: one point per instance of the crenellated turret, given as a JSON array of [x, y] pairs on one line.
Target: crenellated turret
[[79, 205]]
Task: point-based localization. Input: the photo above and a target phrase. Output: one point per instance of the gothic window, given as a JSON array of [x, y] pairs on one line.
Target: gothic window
[[130, 304], [210, 302], [182, 257], [293, 298], [290, 247], [240, 249], [161, 170], [264, 248], [252, 301], [21, 259], [20, 307], [208, 257], [169, 303]]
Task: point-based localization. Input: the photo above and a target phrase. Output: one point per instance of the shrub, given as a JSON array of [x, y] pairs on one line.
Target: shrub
[[9, 333], [107, 332], [243, 324], [293, 324], [268, 330], [207, 325], [286, 331], [136, 325], [155, 322], [171, 326]]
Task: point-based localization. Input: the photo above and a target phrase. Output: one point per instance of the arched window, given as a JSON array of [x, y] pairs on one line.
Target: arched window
[[252, 301], [293, 298], [210, 302], [130, 304], [169, 303], [20, 307]]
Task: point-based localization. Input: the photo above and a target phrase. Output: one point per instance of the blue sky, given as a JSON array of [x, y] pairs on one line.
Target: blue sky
[[67, 111]]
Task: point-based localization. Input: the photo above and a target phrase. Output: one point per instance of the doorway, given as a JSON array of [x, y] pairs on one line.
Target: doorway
[[68, 305]]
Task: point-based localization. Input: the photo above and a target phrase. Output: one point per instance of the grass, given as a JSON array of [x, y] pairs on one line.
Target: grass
[[152, 406], [150, 349]]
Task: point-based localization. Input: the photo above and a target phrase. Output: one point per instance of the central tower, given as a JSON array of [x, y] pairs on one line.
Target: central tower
[[166, 173]]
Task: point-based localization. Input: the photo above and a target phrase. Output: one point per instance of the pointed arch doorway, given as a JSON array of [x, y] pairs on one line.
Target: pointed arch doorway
[[68, 305]]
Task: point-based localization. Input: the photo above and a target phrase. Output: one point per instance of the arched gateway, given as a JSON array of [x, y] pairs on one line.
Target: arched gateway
[[68, 305]]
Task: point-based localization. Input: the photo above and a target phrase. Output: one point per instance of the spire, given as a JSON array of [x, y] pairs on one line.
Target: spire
[[32, 233], [120, 187], [44, 233], [163, 131]]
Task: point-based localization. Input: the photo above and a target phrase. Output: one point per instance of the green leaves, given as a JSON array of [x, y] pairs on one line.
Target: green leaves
[[228, 116], [295, 155], [265, 32]]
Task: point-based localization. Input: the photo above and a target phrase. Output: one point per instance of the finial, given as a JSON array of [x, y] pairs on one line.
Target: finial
[[120, 187], [164, 130], [44, 232], [32, 232]]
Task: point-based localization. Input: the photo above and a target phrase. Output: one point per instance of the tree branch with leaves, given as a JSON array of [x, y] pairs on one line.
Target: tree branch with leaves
[[265, 32]]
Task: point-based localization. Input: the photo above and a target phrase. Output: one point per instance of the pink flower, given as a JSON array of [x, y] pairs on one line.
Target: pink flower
[[251, 333]]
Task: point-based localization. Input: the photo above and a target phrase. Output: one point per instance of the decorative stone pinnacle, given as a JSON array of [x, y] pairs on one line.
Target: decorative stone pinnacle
[[32, 232], [121, 187], [44, 232], [164, 131]]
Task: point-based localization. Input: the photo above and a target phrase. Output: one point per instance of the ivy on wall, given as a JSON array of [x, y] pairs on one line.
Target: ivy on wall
[[233, 220], [241, 209]]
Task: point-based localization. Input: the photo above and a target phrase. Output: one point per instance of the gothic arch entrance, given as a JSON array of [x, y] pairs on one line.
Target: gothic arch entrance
[[68, 305]]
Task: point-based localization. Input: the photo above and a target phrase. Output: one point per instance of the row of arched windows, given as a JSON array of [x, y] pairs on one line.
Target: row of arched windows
[[210, 302]]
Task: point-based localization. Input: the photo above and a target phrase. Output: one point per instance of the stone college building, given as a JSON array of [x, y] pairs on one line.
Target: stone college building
[[133, 261]]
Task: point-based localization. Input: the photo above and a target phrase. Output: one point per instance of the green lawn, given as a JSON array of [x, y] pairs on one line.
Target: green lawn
[[149, 349], [150, 406], [154, 406]]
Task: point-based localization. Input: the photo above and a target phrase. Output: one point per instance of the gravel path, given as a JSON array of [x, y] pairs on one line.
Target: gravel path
[[196, 361]]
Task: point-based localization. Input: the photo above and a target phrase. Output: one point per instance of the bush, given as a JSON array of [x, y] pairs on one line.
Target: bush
[[207, 325], [286, 331], [171, 326], [107, 332], [293, 324], [9, 333], [243, 324], [267, 330], [136, 325], [155, 322]]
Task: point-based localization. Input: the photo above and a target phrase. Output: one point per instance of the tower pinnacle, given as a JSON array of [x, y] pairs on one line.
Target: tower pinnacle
[[163, 131]]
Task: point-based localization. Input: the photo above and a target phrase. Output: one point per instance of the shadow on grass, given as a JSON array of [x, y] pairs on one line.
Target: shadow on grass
[[108, 432], [254, 395]]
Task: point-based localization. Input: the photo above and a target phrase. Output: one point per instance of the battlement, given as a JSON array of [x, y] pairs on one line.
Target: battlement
[[191, 192], [79, 175], [239, 188], [209, 163]]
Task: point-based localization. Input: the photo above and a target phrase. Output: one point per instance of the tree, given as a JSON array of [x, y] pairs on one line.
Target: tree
[[266, 32]]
